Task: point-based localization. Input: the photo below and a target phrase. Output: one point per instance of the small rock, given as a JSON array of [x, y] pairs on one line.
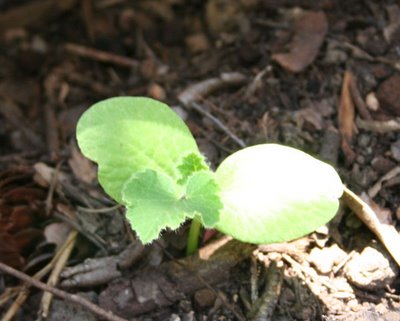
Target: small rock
[[325, 259], [372, 102], [39, 44], [64, 310], [174, 317], [334, 54], [189, 316], [395, 149], [388, 95], [371, 270], [204, 298]]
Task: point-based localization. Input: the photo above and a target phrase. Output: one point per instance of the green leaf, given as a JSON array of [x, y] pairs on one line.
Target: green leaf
[[155, 202], [190, 164], [125, 135], [272, 193]]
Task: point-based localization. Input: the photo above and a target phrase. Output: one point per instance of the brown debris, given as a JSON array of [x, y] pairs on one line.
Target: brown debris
[[155, 288], [100, 55], [309, 33], [346, 114], [34, 12], [20, 211]]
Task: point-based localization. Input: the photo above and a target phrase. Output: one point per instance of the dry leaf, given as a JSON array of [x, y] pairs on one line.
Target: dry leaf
[[83, 169], [346, 114], [310, 31]]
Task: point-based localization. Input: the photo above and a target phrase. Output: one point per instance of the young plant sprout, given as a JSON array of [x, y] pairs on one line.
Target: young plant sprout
[[149, 161]]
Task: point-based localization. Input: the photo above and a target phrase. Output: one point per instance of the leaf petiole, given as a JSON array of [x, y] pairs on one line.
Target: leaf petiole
[[193, 238]]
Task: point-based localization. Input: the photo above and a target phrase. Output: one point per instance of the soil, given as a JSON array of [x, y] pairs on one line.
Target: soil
[[319, 76]]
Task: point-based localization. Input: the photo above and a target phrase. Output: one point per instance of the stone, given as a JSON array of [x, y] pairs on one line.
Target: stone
[[371, 270], [204, 298], [388, 95], [326, 258]]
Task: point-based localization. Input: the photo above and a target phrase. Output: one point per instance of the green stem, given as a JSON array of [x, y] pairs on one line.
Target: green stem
[[193, 238]]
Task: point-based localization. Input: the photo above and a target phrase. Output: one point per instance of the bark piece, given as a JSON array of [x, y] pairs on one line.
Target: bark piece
[[310, 31]]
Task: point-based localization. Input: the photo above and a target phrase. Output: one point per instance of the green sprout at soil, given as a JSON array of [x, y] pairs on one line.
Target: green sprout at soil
[[149, 161]]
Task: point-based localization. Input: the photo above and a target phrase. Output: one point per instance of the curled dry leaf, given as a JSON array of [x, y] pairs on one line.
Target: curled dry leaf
[[346, 114], [309, 33], [82, 168]]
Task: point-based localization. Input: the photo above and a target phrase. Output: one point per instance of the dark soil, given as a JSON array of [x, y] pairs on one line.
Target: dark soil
[[321, 76]]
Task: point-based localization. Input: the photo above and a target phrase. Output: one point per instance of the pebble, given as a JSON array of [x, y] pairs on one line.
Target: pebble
[[395, 149], [326, 258], [204, 298], [372, 102], [388, 95], [371, 270]]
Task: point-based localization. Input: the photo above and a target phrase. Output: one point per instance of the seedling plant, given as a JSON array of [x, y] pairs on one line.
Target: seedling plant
[[149, 161]]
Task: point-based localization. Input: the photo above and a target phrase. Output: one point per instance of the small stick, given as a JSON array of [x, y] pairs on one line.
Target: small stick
[[100, 55], [55, 273], [24, 291], [218, 123], [388, 126], [61, 294], [358, 100], [264, 307], [374, 190]]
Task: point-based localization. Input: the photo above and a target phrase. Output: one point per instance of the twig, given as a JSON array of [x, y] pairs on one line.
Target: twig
[[374, 190], [55, 273], [204, 88], [388, 126], [264, 307], [218, 123], [61, 294], [99, 210], [100, 55], [24, 291], [358, 100], [386, 233]]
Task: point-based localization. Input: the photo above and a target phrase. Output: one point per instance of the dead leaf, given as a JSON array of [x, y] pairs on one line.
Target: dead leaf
[[346, 114], [83, 169], [309, 33]]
